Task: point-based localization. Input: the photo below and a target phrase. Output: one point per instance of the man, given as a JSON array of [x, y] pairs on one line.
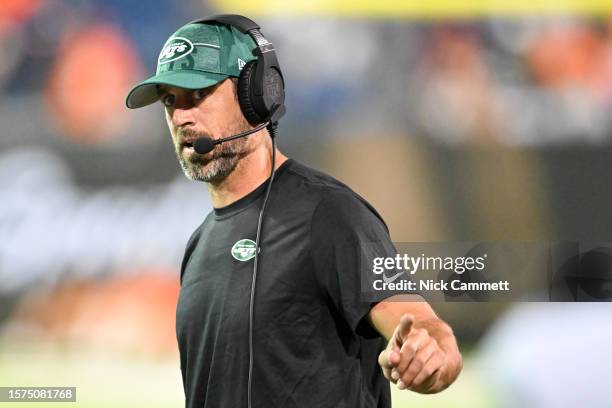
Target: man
[[316, 342]]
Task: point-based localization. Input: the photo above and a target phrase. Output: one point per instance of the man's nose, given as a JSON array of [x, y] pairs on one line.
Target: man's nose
[[183, 116]]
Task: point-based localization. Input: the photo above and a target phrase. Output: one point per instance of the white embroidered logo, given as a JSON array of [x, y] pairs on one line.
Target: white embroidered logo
[[174, 49]]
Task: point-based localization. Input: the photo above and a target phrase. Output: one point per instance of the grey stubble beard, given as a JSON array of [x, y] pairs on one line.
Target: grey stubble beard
[[214, 167]]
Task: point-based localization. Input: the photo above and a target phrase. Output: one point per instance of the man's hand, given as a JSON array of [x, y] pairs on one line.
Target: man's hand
[[415, 360]]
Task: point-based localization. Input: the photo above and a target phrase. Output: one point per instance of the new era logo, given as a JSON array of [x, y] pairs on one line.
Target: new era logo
[[241, 64]]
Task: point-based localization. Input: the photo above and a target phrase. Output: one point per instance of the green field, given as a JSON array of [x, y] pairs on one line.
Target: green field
[[118, 380]]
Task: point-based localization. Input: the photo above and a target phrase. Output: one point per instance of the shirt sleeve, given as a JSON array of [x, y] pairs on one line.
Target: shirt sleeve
[[346, 234]]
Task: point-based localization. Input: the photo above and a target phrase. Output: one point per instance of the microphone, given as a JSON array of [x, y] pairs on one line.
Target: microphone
[[204, 145]]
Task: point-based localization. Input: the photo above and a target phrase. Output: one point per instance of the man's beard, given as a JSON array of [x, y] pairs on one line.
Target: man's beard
[[216, 165]]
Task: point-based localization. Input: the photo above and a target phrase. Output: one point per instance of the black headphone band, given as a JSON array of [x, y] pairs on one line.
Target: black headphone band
[[242, 23]]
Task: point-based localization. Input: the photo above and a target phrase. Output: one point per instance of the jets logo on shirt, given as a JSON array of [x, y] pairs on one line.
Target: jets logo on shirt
[[243, 250], [175, 48]]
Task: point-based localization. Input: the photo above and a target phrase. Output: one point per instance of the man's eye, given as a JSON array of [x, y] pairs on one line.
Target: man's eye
[[168, 100], [199, 93]]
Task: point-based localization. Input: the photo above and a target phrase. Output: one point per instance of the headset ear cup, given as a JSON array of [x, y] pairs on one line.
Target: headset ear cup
[[245, 98]]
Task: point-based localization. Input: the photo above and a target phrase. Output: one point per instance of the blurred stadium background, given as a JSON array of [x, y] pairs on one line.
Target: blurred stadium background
[[460, 121]]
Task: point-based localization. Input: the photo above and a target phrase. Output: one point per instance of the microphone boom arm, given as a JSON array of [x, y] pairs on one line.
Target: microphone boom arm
[[239, 135], [204, 145]]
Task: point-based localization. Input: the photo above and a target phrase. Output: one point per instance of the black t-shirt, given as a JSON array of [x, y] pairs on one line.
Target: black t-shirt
[[313, 345]]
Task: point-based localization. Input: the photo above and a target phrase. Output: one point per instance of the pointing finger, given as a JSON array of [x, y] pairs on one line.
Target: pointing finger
[[403, 329]]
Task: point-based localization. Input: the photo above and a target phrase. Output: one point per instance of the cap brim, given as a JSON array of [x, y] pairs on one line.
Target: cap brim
[[146, 92]]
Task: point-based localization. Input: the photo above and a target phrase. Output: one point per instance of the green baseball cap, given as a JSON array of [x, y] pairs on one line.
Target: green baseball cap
[[196, 56]]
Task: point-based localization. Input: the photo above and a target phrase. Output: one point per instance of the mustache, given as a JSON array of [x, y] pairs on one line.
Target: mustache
[[191, 133]]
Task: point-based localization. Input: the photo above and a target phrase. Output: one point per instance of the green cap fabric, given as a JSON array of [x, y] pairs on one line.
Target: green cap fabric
[[195, 56]]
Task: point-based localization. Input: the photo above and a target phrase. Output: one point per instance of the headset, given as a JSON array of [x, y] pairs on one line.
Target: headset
[[261, 86], [261, 95]]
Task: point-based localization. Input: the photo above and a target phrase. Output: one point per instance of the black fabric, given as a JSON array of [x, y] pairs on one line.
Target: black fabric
[[313, 345]]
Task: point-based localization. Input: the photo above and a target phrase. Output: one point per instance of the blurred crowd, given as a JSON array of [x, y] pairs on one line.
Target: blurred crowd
[[518, 82], [533, 80]]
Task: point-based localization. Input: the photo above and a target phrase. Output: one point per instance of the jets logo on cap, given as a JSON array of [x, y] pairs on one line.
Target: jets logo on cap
[[243, 250], [174, 49]]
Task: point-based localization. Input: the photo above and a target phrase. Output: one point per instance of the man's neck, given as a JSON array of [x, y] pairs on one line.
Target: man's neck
[[251, 171]]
